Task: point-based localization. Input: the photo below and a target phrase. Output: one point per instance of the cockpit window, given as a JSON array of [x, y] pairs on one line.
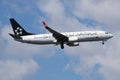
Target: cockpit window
[[106, 32]]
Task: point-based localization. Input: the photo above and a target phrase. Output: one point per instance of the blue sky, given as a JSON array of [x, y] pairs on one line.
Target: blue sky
[[89, 61]]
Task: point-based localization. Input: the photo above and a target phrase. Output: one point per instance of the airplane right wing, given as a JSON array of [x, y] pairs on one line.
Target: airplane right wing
[[58, 36]]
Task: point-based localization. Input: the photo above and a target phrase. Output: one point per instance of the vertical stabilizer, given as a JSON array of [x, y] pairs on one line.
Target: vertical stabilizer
[[17, 29]]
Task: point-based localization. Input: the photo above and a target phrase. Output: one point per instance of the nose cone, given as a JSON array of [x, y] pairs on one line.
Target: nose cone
[[111, 35]]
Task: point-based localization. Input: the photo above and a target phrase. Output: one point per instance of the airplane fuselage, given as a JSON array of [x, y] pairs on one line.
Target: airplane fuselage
[[82, 36], [58, 38]]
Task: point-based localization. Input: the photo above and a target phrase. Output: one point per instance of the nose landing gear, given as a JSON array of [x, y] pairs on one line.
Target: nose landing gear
[[103, 42]]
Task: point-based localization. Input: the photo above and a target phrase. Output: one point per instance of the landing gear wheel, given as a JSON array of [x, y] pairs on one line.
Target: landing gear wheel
[[62, 46], [103, 42]]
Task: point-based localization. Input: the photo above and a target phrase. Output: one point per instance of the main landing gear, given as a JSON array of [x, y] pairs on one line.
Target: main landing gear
[[62, 45]]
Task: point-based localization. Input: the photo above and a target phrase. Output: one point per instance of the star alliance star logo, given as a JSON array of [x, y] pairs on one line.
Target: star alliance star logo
[[18, 31]]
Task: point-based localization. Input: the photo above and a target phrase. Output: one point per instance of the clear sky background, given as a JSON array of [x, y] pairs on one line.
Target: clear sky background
[[89, 61]]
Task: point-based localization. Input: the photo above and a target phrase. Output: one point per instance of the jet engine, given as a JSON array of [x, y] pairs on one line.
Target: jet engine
[[73, 44], [73, 39]]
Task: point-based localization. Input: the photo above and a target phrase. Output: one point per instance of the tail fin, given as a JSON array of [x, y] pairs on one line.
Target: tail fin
[[18, 30]]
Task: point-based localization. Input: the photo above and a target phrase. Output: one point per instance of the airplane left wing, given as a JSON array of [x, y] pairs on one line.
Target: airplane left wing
[[58, 36]]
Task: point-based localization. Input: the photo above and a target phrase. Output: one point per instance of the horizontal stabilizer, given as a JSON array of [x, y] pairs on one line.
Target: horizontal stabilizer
[[15, 36]]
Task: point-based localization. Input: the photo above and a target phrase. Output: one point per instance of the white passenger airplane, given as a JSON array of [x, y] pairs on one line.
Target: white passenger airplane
[[57, 38]]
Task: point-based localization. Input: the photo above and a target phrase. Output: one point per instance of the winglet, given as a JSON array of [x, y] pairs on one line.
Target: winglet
[[44, 24]]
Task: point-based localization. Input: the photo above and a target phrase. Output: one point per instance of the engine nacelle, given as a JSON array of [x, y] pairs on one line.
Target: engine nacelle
[[73, 44], [73, 39]]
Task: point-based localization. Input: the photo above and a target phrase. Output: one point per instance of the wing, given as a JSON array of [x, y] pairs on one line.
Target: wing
[[58, 36]]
